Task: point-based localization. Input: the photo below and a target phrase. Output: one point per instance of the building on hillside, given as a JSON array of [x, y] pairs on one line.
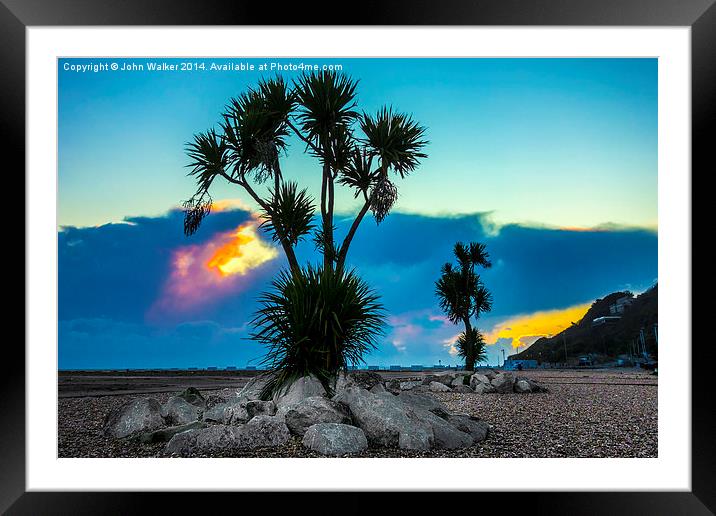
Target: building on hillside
[[620, 305]]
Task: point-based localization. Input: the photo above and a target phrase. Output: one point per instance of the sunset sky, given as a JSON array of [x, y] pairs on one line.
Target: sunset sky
[[550, 162]]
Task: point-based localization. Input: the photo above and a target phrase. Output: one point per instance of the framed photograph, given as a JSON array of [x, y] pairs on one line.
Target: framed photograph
[[423, 250]]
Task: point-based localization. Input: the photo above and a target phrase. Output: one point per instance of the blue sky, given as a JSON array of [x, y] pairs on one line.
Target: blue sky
[[551, 162]]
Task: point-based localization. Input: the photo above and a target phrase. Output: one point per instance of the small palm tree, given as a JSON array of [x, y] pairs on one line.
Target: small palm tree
[[462, 296]]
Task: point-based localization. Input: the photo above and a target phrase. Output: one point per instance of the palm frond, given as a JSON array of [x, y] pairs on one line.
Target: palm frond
[[396, 138], [316, 322], [288, 215]]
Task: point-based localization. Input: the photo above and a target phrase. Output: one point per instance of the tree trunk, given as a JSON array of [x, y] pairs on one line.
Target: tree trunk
[[469, 353]]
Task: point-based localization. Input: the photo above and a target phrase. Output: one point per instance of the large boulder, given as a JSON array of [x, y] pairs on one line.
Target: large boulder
[[459, 380], [296, 392], [478, 379], [408, 385], [252, 390], [482, 388], [522, 385], [193, 396], [447, 436], [313, 410], [232, 412], [463, 389], [363, 379], [165, 434], [134, 416], [335, 439], [439, 387], [178, 411], [424, 402], [476, 428], [260, 408], [263, 432], [446, 379], [503, 383], [386, 420]]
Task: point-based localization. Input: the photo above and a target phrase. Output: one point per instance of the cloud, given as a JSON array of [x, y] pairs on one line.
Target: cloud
[[206, 274], [524, 330], [131, 274]]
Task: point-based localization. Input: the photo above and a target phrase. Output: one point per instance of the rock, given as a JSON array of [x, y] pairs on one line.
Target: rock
[[314, 410], [537, 386], [522, 385], [482, 388], [378, 388], [427, 380], [193, 396], [299, 390], [386, 420], [476, 428], [335, 439], [445, 379], [477, 379], [252, 390], [424, 402], [181, 444], [259, 408], [409, 385], [464, 389], [232, 412], [503, 383], [262, 432], [178, 411], [447, 436], [138, 415], [165, 434], [215, 399], [216, 438], [439, 387], [363, 379], [393, 386], [458, 380]]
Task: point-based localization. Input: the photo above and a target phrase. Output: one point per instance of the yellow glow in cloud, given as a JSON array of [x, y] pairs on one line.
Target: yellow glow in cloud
[[524, 330], [228, 205], [243, 252]]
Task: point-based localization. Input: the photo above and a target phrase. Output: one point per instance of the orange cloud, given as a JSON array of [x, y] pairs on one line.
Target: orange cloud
[[524, 330], [203, 274]]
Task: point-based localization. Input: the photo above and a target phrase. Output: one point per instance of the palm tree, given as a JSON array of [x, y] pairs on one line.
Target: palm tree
[[462, 296], [361, 151]]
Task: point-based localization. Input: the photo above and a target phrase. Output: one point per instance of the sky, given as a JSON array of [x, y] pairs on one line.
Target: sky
[[550, 162]]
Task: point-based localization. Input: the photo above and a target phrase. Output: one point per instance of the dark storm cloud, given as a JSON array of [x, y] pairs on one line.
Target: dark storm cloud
[[110, 275]]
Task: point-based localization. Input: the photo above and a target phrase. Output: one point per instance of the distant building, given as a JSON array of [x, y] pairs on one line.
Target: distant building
[[620, 305], [416, 368], [251, 368], [513, 364], [373, 368], [231, 368], [607, 319]]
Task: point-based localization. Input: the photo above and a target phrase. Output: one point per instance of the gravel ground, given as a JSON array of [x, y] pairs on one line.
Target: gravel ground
[[595, 413]]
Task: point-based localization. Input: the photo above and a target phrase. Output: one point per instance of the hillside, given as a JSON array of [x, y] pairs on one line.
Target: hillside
[[605, 341]]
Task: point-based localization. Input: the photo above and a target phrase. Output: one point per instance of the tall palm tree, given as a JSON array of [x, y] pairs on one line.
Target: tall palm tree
[[317, 319], [462, 295]]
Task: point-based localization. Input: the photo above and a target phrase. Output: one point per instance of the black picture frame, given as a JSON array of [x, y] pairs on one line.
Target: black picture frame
[[699, 15]]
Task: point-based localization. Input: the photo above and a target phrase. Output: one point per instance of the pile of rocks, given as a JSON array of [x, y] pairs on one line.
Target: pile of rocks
[[485, 381], [361, 413]]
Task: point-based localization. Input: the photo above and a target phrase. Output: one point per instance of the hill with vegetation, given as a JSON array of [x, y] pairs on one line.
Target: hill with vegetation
[[602, 341]]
